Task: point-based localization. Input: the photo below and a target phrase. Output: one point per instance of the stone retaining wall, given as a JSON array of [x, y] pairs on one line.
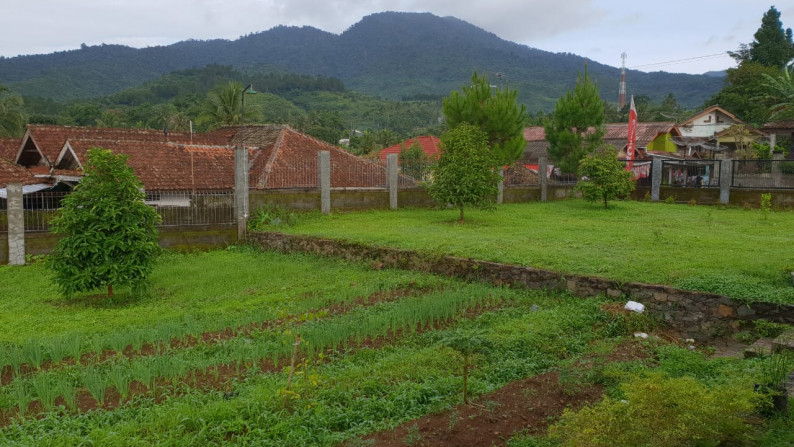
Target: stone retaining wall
[[697, 315]]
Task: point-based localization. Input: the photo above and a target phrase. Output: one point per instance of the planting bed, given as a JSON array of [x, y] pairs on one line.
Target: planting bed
[[330, 361]]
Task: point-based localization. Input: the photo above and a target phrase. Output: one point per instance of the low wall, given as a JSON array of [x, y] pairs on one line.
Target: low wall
[[183, 238], [697, 315]]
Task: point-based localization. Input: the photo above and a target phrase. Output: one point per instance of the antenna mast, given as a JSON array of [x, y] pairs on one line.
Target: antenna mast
[[622, 88]]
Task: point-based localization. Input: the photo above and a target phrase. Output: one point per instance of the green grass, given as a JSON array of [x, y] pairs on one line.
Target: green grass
[[729, 251], [219, 285]]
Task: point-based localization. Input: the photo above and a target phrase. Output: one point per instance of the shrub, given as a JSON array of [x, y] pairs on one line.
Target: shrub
[[661, 411], [270, 215]]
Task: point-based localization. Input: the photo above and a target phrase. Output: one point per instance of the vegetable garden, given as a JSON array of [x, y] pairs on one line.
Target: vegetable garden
[[295, 350]]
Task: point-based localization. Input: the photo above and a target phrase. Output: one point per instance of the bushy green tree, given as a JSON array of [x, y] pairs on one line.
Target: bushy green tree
[[743, 86], [604, 177], [495, 111], [110, 234], [466, 173], [576, 127], [414, 161], [772, 47]]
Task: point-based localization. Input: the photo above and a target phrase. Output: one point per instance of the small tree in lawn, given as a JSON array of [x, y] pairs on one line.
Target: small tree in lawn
[[606, 177], [467, 344], [466, 173], [110, 237]]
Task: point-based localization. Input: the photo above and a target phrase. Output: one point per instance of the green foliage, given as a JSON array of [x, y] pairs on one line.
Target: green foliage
[[779, 94], [604, 177], [12, 115], [110, 234], [661, 411], [466, 173], [223, 107], [766, 204], [270, 215], [495, 113], [769, 329], [414, 162], [744, 85], [772, 47], [577, 126]]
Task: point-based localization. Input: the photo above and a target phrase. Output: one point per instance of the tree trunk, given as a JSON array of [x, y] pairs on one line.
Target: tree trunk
[[465, 379], [110, 290], [461, 215], [605, 202]]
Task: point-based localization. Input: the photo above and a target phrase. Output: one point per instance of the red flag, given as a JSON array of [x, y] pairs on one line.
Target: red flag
[[632, 140]]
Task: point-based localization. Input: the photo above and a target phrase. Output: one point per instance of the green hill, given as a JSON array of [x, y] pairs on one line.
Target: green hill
[[390, 55]]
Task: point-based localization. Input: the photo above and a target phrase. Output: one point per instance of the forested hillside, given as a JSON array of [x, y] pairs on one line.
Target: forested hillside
[[389, 55]]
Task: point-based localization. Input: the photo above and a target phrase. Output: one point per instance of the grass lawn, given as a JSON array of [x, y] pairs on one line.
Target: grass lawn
[[212, 287], [740, 253]]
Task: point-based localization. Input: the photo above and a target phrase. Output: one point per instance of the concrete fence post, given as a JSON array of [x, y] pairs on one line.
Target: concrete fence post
[[241, 190], [542, 163], [392, 180], [16, 224], [777, 174], [656, 179], [500, 196], [324, 171], [726, 177]]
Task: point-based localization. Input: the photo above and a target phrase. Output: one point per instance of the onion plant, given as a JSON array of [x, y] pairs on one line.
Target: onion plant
[[119, 377], [94, 382], [22, 395], [33, 353], [69, 393], [46, 390]]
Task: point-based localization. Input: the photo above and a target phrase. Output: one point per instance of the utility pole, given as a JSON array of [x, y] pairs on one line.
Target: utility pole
[[622, 88]]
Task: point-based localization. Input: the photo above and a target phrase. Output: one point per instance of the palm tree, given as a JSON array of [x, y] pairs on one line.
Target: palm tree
[[12, 117], [780, 94], [223, 107]]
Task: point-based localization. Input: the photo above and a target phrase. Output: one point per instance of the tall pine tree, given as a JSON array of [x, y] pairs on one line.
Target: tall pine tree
[[495, 111], [772, 47], [576, 127]]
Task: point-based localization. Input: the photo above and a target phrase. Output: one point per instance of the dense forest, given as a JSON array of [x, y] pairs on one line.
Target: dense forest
[[389, 55]]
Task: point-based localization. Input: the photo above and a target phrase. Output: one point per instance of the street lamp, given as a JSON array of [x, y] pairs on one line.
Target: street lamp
[[248, 89], [241, 172]]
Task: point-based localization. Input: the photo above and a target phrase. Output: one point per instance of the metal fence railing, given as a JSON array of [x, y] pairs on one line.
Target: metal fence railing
[[641, 169], [415, 174], [691, 173], [764, 174], [520, 174], [39, 208], [176, 208]]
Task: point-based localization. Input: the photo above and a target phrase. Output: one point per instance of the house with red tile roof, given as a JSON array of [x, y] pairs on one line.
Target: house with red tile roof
[[279, 157], [430, 146], [653, 138]]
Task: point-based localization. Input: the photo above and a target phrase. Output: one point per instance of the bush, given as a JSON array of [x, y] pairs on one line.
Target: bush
[[661, 411], [270, 215]]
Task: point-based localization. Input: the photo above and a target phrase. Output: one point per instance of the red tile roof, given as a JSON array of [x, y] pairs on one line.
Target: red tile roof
[[429, 144], [168, 165], [9, 147], [288, 159], [279, 157], [13, 173], [50, 139]]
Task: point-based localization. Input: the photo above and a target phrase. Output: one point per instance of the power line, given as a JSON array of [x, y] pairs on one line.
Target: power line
[[683, 61]]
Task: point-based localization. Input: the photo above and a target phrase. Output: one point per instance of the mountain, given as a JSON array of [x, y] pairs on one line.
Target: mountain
[[391, 55]]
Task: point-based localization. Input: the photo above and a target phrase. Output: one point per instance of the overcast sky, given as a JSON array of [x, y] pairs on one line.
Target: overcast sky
[[689, 36]]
